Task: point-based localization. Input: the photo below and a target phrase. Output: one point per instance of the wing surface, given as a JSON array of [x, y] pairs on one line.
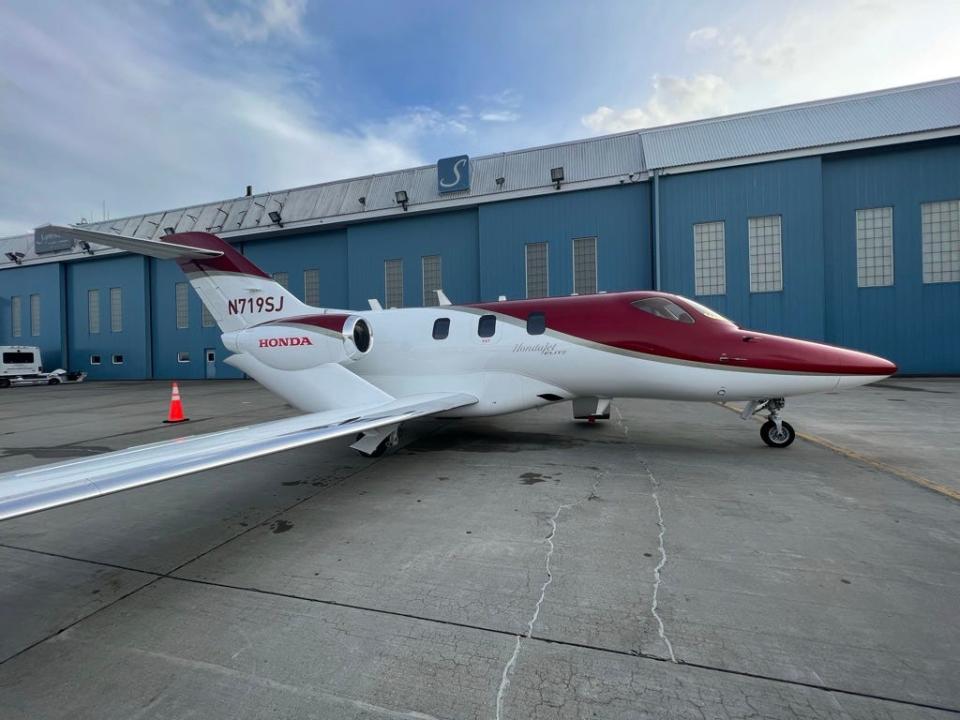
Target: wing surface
[[48, 486], [153, 248]]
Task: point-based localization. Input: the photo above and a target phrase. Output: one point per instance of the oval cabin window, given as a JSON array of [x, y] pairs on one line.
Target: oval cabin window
[[536, 323], [441, 328], [487, 326]]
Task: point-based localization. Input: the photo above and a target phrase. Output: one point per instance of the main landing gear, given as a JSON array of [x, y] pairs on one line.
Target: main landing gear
[[775, 432], [376, 442]]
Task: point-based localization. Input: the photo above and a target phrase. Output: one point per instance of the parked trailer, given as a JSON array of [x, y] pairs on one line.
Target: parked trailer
[[57, 377]]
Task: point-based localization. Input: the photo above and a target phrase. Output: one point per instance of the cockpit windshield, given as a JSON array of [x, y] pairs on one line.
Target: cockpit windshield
[[663, 308], [707, 312]]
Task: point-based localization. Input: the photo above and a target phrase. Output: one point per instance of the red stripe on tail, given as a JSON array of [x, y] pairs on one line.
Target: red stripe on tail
[[231, 261]]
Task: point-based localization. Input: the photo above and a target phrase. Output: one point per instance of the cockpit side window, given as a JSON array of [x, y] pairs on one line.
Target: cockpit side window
[[663, 308]]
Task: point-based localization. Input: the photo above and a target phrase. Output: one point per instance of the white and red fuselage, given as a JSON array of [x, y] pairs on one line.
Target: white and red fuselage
[[582, 346], [510, 355]]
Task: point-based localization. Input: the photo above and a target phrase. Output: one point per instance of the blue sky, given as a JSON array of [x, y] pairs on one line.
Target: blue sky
[[155, 104]]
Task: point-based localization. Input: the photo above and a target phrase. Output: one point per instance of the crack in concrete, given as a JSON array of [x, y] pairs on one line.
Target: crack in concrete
[[656, 571], [508, 668], [654, 486]]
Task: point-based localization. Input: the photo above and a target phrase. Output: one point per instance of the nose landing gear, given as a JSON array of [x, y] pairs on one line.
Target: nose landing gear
[[775, 432]]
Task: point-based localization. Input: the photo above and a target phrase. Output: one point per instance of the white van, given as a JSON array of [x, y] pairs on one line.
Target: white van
[[21, 365], [19, 361]]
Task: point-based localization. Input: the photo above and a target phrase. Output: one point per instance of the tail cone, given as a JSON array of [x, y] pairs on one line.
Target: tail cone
[[175, 414]]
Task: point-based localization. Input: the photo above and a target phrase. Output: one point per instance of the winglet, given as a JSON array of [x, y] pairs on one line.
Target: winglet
[[375, 304], [442, 298]]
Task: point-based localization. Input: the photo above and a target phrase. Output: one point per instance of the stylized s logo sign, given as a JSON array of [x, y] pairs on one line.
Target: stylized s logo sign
[[456, 174]]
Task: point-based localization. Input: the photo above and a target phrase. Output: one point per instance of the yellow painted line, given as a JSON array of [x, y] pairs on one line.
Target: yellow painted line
[[950, 492]]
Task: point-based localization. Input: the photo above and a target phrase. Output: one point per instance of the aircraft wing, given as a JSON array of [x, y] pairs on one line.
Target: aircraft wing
[[48, 486], [153, 248]]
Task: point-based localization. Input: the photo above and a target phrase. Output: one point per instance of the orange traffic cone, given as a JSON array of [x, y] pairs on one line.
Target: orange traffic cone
[[175, 415]]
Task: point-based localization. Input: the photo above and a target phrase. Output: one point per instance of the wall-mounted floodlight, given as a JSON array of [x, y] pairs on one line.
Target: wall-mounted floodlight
[[168, 231], [274, 216], [401, 197], [500, 181], [556, 176], [16, 257], [85, 246]]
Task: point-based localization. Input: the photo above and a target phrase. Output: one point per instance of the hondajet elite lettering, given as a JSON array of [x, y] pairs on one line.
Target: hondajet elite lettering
[[362, 374]]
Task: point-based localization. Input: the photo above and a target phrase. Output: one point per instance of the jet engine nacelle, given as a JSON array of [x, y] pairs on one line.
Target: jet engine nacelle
[[301, 343]]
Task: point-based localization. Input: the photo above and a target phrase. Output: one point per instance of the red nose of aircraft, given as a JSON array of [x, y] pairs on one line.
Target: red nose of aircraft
[[861, 363], [791, 355]]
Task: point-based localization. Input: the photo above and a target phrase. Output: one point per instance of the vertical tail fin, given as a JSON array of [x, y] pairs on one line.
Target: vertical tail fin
[[236, 292]]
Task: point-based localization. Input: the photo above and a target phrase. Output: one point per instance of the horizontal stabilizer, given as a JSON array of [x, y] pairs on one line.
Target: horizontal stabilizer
[[48, 486], [152, 248]]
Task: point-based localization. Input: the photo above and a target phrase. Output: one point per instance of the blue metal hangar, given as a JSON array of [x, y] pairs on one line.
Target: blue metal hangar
[[836, 220]]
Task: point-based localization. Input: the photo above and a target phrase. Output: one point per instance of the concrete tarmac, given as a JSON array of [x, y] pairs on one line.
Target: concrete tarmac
[[664, 564]]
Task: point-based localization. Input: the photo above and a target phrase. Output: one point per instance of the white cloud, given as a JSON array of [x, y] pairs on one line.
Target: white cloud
[[795, 53], [508, 98], [703, 37], [100, 115], [823, 49], [423, 120], [500, 116], [674, 99], [501, 107], [257, 20]]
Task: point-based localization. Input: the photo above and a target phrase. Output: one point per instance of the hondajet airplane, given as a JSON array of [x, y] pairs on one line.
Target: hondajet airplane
[[362, 374]]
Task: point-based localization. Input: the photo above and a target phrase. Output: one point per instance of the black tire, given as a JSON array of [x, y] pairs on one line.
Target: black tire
[[381, 449], [774, 439], [53, 381], [4, 382]]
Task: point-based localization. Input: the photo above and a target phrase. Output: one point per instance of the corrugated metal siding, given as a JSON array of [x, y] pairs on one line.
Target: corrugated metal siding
[[20, 243], [584, 160], [325, 252], [355, 189], [790, 189], [911, 323], [169, 340], [618, 217], [43, 280], [129, 273], [452, 235], [893, 113]]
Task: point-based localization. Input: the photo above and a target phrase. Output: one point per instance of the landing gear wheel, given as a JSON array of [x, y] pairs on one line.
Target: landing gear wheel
[[53, 381], [778, 438]]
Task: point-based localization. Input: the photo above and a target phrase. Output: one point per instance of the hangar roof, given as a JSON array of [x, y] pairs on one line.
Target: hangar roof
[[884, 116], [885, 113]]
